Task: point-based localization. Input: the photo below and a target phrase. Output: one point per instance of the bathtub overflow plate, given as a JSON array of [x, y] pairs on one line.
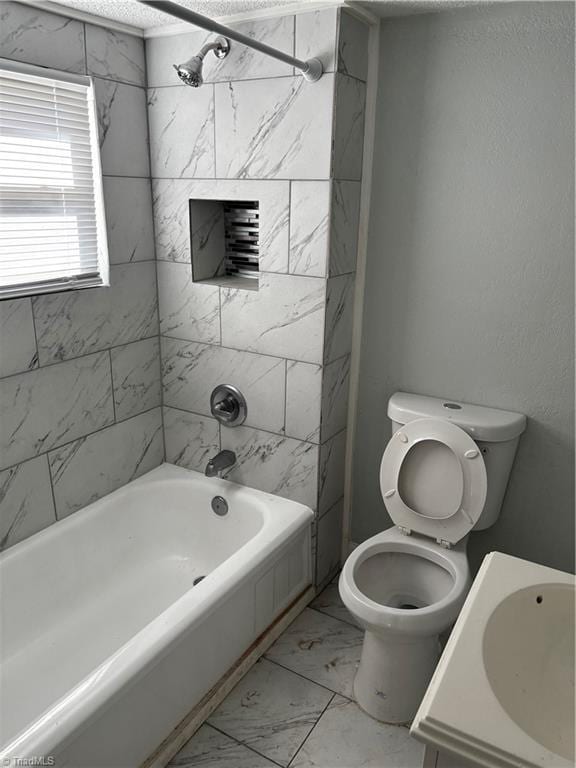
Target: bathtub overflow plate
[[220, 505]]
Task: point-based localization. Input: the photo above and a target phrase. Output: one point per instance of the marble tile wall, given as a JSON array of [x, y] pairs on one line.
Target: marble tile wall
[[84, 403], [258, 131], [80, 390]]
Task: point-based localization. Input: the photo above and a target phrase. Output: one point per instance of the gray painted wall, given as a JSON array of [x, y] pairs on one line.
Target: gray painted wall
[[469, 290]]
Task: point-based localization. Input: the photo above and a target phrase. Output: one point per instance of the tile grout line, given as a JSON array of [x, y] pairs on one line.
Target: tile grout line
[[289, 227], [113, 393], [85, 47], [303, 677], [243, 744], [214, 130], [31, 299], [231, 81], [53, 363], [295, 755], [243, 351], [285, 427], [228, 179], [223, 280], [336, 618], [80, 437], [51, 479], [151, 207], [258, 429]]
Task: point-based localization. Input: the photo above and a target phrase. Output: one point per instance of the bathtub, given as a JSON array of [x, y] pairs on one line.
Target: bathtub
[[106, 642]]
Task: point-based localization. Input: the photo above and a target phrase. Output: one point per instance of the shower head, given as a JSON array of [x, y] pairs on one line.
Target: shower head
[[190, 72]]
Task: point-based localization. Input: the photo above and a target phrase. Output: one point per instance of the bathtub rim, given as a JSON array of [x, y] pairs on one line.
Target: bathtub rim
[[106, 681]]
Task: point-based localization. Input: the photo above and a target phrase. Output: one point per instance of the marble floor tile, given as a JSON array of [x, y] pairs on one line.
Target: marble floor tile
[[330, 603], [345, 737], [272, 711], [209, 748], [320, 648]]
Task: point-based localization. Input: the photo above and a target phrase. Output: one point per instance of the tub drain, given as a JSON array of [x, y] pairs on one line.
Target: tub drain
[[197, 580]]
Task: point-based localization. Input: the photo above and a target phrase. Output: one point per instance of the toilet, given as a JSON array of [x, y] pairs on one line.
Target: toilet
[[443, 474]]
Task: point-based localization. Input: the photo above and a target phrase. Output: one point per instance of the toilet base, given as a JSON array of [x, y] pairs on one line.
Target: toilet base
[[393, 675]]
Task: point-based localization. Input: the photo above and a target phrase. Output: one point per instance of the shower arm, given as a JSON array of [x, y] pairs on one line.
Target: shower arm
[[311, 69], [215, 46]]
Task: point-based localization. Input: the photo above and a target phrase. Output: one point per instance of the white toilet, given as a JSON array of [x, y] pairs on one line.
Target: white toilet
[[443, 474]]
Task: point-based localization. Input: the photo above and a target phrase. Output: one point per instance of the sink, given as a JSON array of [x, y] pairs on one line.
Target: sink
[[528, 652], [503, 692]]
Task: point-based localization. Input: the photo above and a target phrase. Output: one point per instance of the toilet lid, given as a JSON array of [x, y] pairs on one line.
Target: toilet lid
[[433, 480]]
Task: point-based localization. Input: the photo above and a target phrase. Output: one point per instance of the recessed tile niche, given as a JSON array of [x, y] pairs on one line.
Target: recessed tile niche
[[225, 242]]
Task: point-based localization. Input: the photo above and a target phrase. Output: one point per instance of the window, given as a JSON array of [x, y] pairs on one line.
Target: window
[[52, 226]]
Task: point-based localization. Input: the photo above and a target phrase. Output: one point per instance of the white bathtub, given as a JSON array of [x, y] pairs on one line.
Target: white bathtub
[[106, 644]]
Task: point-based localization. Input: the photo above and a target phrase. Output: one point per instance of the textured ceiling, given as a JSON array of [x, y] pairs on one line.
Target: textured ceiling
[[387, 8], [138, 15]]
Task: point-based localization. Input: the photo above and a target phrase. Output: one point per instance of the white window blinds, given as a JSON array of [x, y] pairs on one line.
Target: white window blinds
[[52, 226]]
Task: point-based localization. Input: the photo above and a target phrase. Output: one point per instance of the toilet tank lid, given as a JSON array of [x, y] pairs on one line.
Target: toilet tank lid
[[481, 423]]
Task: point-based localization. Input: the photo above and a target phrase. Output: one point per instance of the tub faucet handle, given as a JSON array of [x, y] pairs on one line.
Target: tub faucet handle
[[225, 406]]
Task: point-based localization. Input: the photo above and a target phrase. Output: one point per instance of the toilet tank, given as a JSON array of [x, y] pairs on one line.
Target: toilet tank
[[496, 433]]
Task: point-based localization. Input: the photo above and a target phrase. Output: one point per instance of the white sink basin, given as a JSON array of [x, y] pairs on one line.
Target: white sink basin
[[503, 692], [528, 652]]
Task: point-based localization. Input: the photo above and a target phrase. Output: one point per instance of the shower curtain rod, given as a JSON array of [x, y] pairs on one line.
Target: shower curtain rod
[[311, 69]]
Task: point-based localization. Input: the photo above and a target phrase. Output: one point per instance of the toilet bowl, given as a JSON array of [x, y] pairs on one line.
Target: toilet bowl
[[443, 473], [404, 592]]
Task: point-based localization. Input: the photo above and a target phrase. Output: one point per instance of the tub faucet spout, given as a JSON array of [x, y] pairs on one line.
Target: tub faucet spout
[[219, 463]]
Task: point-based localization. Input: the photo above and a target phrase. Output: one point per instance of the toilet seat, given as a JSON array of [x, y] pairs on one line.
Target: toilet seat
[[447, 480], [431, 619]]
